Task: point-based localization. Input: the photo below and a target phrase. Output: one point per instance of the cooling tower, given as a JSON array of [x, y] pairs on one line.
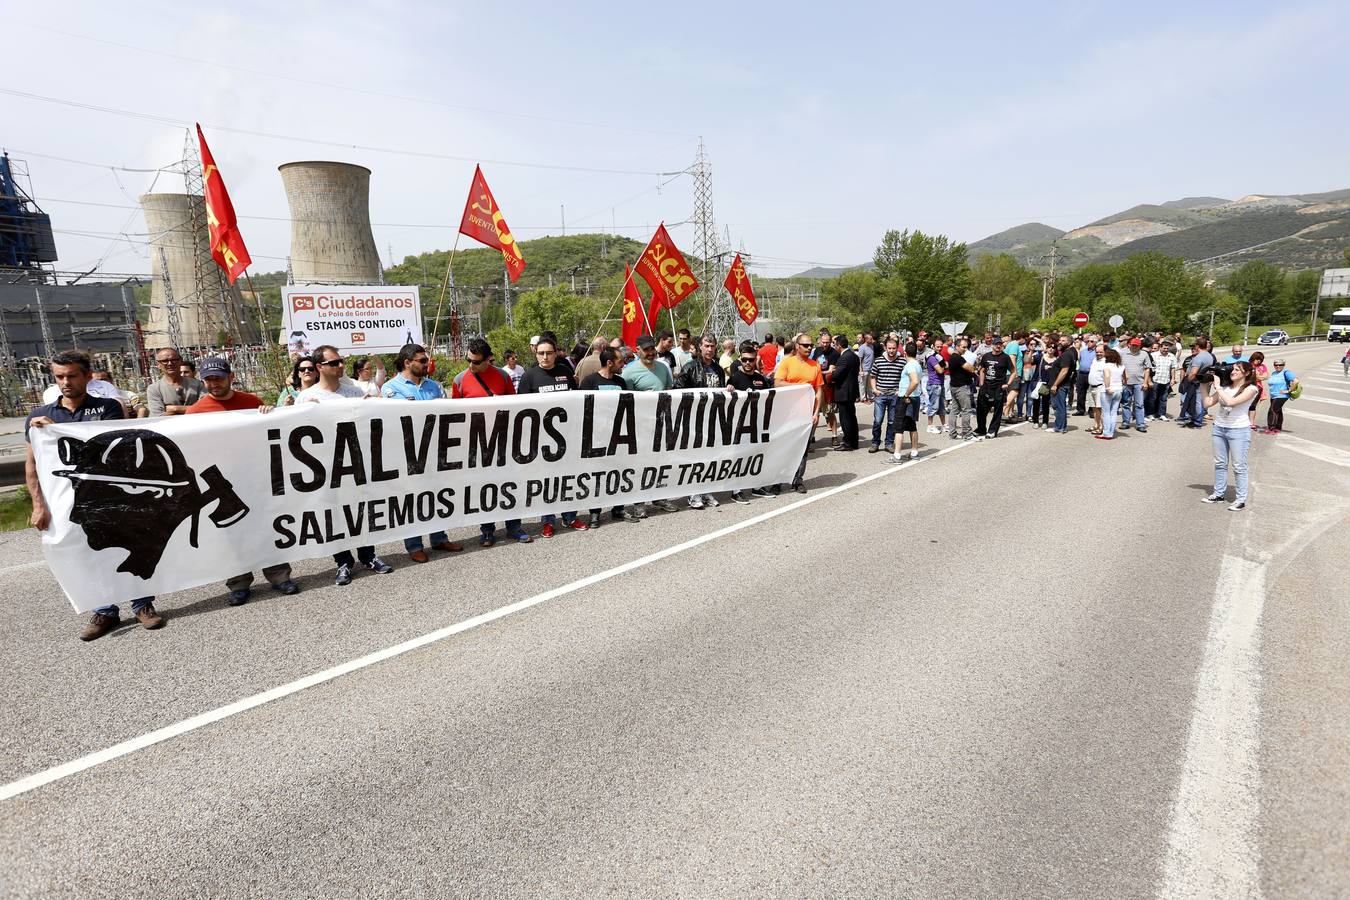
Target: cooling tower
[[331, 241], [204, 310]]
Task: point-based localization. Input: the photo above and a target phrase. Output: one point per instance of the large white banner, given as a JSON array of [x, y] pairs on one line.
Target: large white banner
[[355, 319], [146, 507]]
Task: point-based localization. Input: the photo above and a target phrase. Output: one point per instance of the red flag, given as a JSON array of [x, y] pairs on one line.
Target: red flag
[[227, 244], [663, 268], [738, 286], [483, 222], [634, 318]]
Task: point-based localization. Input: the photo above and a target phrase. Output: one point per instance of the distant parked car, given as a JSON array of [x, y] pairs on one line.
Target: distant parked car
[[1274, 336]]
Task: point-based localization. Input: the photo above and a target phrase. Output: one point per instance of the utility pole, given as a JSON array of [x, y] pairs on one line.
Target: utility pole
[[48, 344], [506, 297], [1048, 284], [1246, 327], [562, 212]]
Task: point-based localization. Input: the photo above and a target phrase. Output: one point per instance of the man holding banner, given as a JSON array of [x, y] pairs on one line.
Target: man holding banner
[[800, 368], [71, 371]]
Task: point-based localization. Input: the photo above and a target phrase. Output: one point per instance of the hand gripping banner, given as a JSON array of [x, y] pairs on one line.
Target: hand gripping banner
[[152, 506]]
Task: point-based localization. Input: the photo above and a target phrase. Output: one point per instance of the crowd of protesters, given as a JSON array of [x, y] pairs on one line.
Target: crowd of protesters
[[964, 388]]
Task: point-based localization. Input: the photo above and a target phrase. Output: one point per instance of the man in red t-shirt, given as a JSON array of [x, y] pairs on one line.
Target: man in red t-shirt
[[768, 357], [221, 396], [483, 379]]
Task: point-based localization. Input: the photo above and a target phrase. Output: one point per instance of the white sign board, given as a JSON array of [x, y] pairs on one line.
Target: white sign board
[[1335, 283], [952, 329], [1117, 321], [149, 506], [353, 318]]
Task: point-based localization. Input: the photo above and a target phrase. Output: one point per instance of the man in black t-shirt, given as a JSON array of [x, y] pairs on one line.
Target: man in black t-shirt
[[962, 374], [607, 378], [745, 376], [1066, 371], [703, 371], [828, 357], [548, 376], [996, 371]]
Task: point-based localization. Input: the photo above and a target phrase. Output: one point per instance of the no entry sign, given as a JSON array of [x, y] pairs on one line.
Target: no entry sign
[[1080, 320]]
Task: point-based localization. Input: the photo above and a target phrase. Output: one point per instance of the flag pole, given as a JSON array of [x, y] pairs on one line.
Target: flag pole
[[440, 306], [262, 318]]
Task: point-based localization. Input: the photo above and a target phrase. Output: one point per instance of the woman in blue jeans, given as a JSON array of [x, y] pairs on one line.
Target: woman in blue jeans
[[1232, 433]]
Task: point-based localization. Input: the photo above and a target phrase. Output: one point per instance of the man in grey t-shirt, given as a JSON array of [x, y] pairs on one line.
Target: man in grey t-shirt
[[172, 394], [1138, 368]]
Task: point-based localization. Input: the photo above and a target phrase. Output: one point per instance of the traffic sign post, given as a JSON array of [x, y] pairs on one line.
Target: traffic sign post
[[1117, 321], [1080, 321]]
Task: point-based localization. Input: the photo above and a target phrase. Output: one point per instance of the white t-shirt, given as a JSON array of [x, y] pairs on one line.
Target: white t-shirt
[[1095, 372], [1117, 374], [369, 388], [1230, 416], [346, 390]]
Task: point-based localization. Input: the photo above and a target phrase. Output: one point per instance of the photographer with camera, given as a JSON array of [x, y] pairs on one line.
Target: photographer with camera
[[1229, 394], [1192, 385]]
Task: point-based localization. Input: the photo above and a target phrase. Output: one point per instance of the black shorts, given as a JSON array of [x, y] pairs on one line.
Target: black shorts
[[908, 411]]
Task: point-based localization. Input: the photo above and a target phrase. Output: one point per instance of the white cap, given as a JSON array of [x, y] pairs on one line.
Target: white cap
[[534, 340]]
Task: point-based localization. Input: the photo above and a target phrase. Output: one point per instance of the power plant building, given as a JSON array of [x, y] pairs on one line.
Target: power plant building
[[331, 240], [209, 310]]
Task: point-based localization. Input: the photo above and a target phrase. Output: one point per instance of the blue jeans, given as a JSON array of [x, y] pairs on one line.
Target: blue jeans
[[933, 393], [1192, 410], [883, 407], [1026, 399], [1059, 399], [1230, 447], [137, 605], [489, 530], [1110, 404], [1132, 404], [415, 543], [549, 519]]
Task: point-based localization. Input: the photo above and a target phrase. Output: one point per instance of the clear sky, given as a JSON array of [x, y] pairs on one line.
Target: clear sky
[[825, 124]]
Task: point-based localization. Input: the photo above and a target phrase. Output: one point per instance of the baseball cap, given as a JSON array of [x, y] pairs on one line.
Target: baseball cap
[[213, 365], [1135, 342], [645, 341]]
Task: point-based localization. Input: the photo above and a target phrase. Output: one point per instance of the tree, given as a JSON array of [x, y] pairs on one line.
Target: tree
[[1299, 294], [934, 272], [1082, 289], [568, 315], [862, 300], [1259, 286], [1160, 287], [1002, 286]]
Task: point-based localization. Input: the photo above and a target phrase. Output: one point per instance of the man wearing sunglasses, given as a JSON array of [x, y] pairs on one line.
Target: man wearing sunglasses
[[800, 368], [413, 383], [745, 376], [172, 394], [330, 387], [549, 376]]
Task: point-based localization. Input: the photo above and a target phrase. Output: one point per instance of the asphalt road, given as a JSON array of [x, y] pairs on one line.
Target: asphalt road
[[1034, 666]]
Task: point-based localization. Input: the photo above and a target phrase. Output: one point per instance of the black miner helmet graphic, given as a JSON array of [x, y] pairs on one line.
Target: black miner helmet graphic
[[133, 488]]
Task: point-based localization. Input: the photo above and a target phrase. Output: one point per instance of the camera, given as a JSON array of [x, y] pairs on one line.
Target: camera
[[1220, 372]]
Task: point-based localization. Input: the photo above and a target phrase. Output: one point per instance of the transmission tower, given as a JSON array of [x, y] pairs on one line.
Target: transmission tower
[[1048, 282], [215, 310], [175, 326], [48, 343], [720, 317]]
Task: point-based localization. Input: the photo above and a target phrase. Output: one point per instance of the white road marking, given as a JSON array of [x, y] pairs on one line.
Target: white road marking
[[1315, 417], [1324, 384], [1211, 839], [1315, 399], [201, 720], [1333, 455]]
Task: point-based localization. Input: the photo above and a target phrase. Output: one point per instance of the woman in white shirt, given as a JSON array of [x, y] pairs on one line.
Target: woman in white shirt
[[369, 374], [1231, 433], [1113, 382]]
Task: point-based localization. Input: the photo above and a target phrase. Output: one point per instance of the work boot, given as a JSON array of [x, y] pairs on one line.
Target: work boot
[[98, 625], [149, 619]]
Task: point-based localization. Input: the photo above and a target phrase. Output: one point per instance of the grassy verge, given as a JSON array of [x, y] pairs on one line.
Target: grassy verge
[[15, 509]]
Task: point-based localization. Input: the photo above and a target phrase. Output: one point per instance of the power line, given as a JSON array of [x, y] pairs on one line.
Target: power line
[[343, 87], [182, 123]]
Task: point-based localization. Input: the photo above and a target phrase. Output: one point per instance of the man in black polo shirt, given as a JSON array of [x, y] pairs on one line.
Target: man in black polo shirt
[[71, 371], [996, 374]]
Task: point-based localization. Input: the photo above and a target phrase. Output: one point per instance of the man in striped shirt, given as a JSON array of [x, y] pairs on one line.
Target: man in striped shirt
[[884, 380]]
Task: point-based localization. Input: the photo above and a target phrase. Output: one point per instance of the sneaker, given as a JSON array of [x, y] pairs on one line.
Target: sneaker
[[1141, 429], [1164, 418], [914, 454], [1213, 498], [99, 625], [739, 497], [148, 618], [521, 537], [239, 597], [547, 531], [577, 525], [593, 521], [761, 492], [639, 511], [980, 437], [971, 437], [710, 501], [666, 505], [895, 458], [286, 587], [624, 515], [696, 502], [1238, 506], [378, 566]]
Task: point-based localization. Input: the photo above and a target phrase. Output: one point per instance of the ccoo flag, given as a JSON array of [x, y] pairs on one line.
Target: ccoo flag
[[227, 244], [663, 268], [738, 286], [484, 223]]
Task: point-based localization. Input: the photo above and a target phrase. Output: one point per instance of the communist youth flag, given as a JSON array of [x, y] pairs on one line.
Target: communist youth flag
[[227, 244], [663, 268], [483, 222], [634, 319], [738, 286]]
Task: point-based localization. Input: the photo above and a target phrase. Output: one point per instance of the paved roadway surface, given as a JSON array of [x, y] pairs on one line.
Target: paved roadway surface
[[1036, 666]]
